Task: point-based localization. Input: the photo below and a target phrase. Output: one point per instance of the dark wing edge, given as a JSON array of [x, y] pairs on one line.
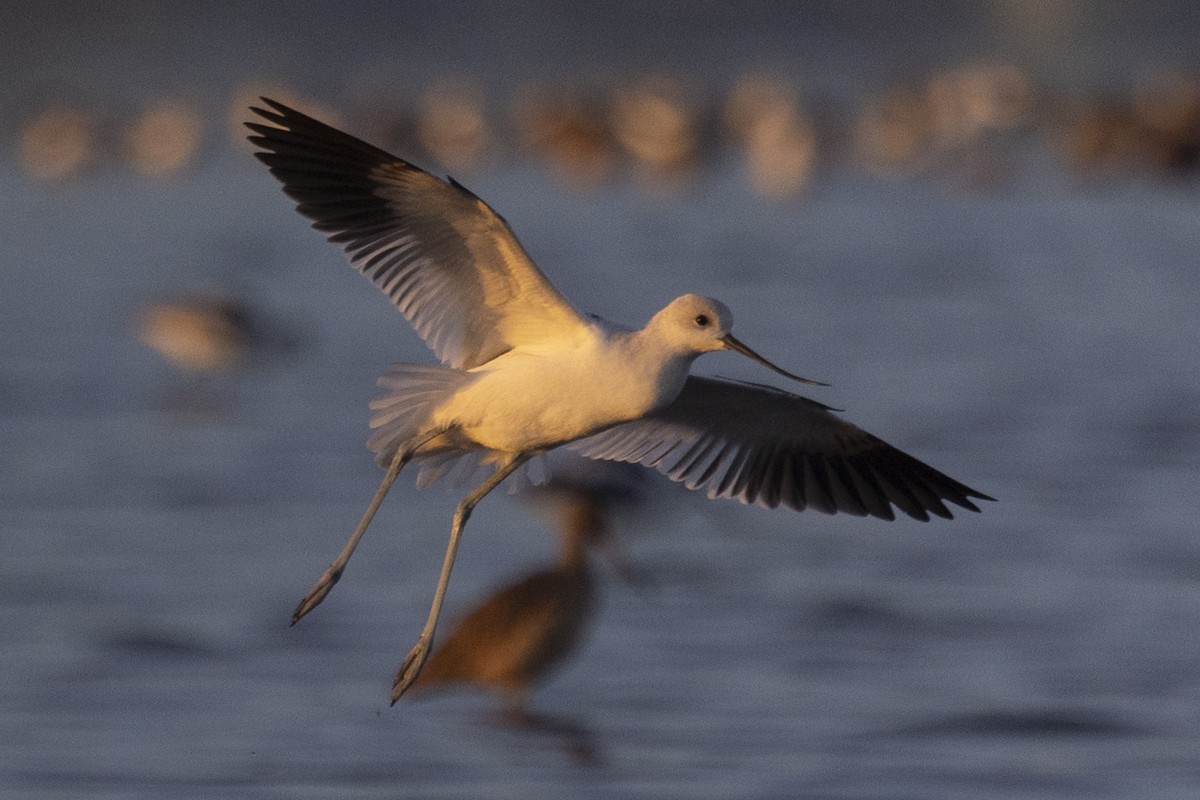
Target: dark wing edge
[[770, 448]]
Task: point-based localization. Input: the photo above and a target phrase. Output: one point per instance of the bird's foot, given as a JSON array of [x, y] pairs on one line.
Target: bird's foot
[[317, 593], [410, 668]]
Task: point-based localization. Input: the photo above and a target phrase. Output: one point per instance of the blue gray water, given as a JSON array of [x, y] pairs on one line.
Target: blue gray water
[[1038, 342]]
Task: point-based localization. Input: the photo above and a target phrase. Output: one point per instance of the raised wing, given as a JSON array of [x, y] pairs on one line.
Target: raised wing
[[768, 447], [447, 260]]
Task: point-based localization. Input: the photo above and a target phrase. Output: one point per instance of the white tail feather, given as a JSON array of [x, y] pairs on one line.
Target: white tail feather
[[414, 392]]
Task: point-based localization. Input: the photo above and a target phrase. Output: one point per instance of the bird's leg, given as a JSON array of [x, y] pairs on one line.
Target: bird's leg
[[331, 575], [411, 667]]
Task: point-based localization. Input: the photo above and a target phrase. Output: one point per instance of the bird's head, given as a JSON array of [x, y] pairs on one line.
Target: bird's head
[[695, 324]]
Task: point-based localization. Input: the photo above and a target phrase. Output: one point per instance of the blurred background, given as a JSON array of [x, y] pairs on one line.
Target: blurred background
[[979, 221]]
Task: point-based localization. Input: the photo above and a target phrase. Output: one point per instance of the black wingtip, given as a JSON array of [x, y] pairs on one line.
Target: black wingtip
[[982, 496], [279, 115], [257, 129], [966, 495], [275, 106]]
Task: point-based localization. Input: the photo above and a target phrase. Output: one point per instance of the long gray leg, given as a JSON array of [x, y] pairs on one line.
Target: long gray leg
[[411, 667], [334, 573]]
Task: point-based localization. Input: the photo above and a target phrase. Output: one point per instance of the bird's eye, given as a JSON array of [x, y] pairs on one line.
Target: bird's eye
[[702, 320]]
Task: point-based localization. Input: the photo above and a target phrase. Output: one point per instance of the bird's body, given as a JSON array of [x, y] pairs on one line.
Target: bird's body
[[591, 379], [523, 371]]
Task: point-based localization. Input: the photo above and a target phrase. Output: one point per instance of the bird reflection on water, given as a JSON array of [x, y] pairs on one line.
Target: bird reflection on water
[[520, 634]]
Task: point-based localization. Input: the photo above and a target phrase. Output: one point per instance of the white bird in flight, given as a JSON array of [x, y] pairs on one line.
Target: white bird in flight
[[524, 372]]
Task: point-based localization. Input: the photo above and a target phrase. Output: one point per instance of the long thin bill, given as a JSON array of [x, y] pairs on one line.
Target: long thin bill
[[736, 346]]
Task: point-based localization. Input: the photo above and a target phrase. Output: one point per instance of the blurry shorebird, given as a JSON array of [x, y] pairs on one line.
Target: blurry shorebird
[[197, 333], [524, 372], [512, 640], [207, 333]]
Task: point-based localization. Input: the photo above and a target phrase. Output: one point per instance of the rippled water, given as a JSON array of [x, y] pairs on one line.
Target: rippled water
[[1039, 343]]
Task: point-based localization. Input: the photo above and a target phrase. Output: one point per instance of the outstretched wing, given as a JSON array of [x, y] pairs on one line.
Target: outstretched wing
[[768, 447], [447, 260]]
